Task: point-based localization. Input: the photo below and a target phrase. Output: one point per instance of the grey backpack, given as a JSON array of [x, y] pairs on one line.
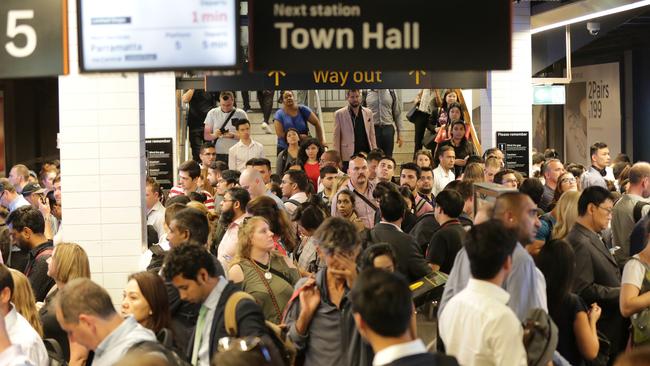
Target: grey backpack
[[540, 337]]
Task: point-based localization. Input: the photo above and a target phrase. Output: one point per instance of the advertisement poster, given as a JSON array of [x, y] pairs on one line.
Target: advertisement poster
[[592, 111]]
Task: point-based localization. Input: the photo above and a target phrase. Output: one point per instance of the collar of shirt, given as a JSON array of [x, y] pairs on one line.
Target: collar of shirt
[[34, 252], [127, 326], [238, 221], [156, 207], [390, 223], [392, 353], [17, 202], [450, 222], [444, 173], [10, 318], [299, 196], [212, 300], [488, 289]]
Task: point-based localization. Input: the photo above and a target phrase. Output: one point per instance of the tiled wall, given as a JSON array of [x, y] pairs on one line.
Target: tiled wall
[[506, 104], [102, 163]]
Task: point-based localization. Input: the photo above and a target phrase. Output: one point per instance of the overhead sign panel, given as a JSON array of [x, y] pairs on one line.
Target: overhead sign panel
[[120, 35], [346, 79], [300, 35], [33, 38]]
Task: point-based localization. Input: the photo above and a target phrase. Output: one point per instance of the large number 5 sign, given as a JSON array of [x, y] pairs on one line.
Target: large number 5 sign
[[14, 29], [33, 38]]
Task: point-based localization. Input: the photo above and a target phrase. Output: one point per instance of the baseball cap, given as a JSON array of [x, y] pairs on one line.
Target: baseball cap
[[32, 188]]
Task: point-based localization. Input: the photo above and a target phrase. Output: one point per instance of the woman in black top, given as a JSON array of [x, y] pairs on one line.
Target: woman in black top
[[289, 156], [462, 147], [578, 341]]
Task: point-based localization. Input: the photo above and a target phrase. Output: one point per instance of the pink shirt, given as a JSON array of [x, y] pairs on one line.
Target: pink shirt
[[228, 245]]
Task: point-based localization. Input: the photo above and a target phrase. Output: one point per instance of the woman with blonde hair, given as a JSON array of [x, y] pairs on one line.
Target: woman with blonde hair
[[474, 173], [23, 299], [68, 261], [261, 270], [567, 214]]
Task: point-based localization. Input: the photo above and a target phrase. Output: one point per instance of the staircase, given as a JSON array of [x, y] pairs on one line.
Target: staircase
[[401, 155]]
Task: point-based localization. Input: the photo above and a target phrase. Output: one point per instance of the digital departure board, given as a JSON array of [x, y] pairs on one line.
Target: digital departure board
[[143, 35]]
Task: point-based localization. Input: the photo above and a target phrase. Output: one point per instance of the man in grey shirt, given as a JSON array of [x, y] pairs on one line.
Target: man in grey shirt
[[83, 306], [525, 283], [600, 160], [551, 170], [635, 199], [317, 321], [386, 110]]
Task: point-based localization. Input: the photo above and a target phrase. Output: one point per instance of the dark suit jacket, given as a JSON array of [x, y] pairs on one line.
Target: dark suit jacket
[[598, 279], [425, 359], [250, 321], [410, 261]]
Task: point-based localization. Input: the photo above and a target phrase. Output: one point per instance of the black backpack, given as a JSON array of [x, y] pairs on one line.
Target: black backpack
[[157, 258]]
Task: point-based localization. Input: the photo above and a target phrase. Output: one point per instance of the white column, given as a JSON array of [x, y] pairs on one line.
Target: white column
[[506, 104], [102, 167]]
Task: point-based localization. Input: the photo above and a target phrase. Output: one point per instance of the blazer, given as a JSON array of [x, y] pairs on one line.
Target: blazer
[[250, 321], [344, 131], [410, 261], [598, 279]]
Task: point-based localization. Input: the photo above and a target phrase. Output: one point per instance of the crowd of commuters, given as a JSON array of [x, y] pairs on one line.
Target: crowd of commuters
[[325, 248]]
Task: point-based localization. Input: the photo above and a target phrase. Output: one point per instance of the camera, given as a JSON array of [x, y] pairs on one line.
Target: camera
[[593, 28]]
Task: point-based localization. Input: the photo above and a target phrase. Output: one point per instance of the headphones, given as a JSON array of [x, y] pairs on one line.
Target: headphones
[[602, 172]]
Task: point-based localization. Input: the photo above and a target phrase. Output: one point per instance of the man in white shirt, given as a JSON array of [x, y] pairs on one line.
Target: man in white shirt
[[155, 209], [477, 327], [444, 173], [383, 312], [245, 149], [294, 184], [220, 126], [86, 312], [21, 334]]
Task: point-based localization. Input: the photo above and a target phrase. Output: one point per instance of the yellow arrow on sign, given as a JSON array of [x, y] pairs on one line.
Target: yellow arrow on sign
[[417, 75], [277, 74]]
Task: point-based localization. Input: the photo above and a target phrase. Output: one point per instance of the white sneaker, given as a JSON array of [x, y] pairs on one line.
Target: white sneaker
[[266, 128]]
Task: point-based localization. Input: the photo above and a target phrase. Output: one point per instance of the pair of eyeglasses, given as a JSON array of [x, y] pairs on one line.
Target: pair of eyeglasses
[[569, 180], [243, 344]]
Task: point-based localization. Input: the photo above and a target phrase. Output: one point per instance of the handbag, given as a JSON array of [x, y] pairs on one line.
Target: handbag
[[641, 320], [414, 113]]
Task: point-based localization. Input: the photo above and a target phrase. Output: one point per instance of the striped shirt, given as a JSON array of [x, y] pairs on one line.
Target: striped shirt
[[178, 191]]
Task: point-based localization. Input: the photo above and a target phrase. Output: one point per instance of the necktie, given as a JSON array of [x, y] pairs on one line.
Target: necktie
[[198, 333]]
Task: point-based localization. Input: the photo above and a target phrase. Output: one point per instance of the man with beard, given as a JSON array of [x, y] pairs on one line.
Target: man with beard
[[365, 204], [233, 212], [525, 283], [425, 186], [221, 181], [354, 131], [409, 176], [27, 230]]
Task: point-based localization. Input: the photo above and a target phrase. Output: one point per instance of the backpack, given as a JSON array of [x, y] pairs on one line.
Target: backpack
[[638, 209], [641, 320], [54, 352], [284, 345], [540, 337], [546, 218], [157, 258]]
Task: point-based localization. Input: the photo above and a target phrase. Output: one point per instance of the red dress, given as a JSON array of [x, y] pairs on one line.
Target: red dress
[[313, 173]]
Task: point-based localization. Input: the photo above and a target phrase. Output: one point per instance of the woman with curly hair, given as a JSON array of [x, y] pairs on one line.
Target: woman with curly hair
[[284, 235], [261, 270]]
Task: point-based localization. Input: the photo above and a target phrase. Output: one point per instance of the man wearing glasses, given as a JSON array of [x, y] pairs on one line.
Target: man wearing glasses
[[598, 279], [208, 155]]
